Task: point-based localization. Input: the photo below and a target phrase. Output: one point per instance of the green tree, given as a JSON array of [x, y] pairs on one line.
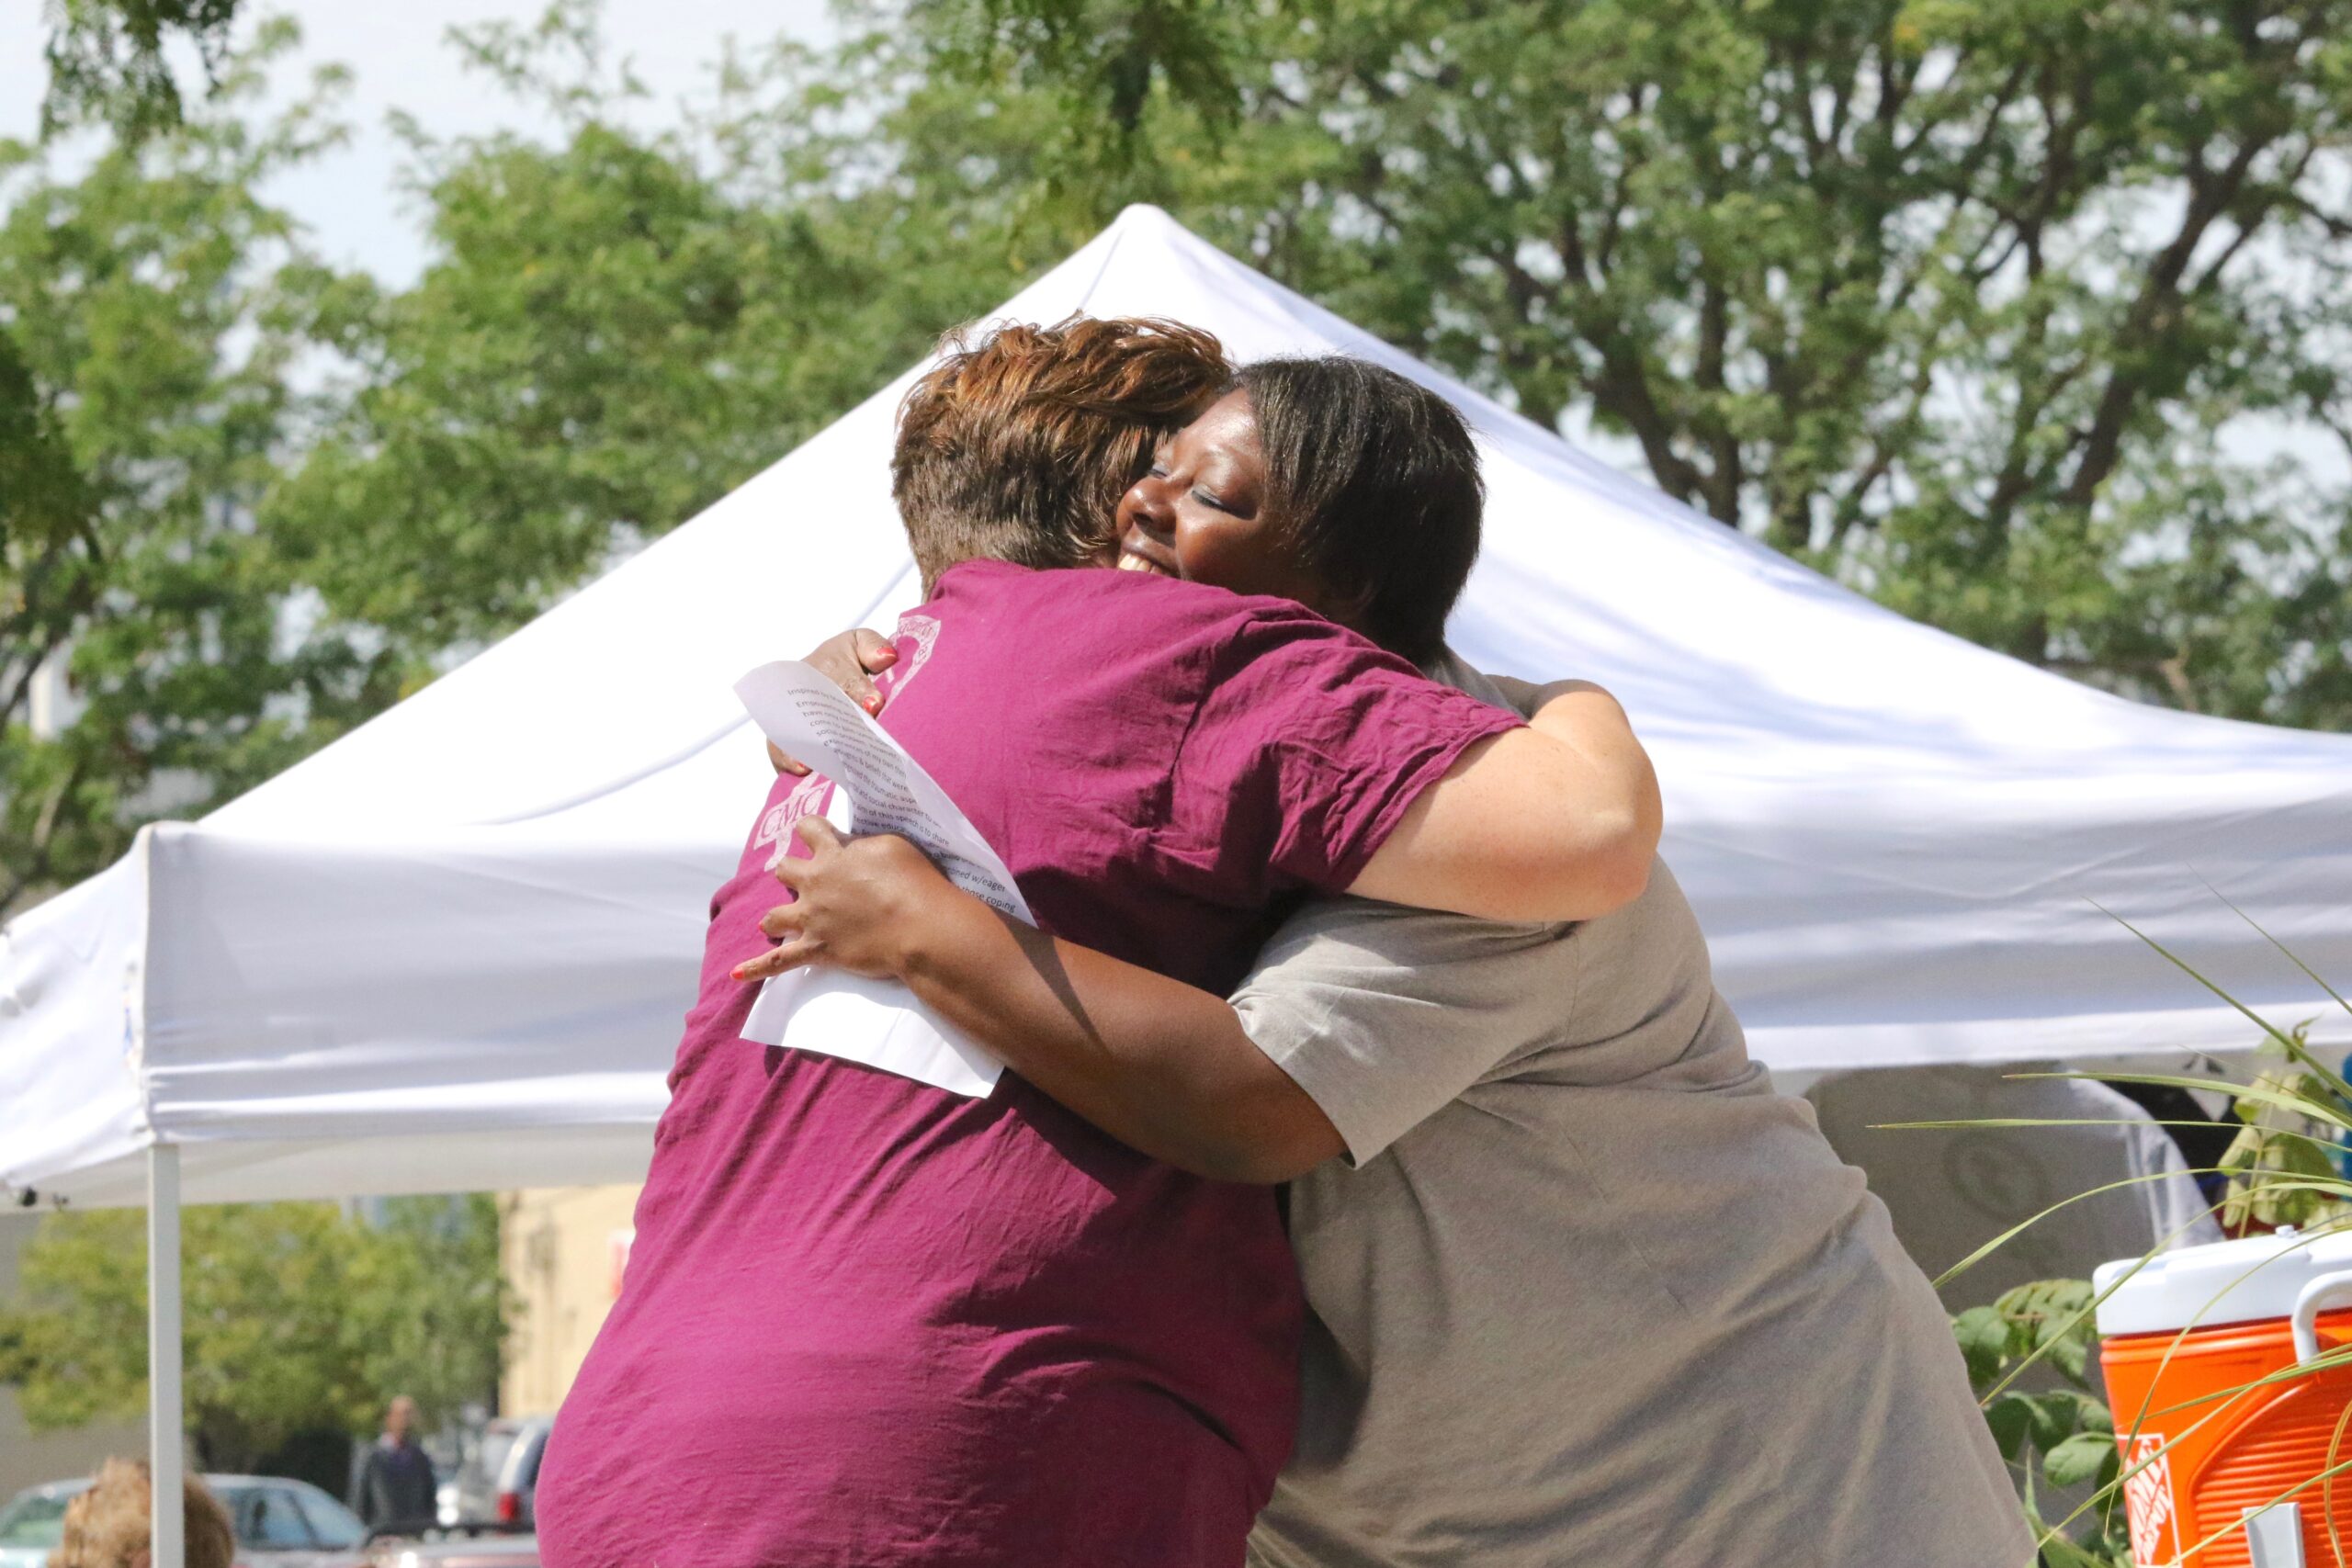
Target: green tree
[[616, 330], [296, 1320], [1982, 303], [1988, 306], [250, 501], [146, 341], [432, 1305], [108, 66]]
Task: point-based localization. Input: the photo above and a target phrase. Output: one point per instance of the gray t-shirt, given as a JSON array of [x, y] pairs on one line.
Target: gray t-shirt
[[1587, 1290]]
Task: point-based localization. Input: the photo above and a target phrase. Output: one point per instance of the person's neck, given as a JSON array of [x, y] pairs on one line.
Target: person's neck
[[1101, 558]]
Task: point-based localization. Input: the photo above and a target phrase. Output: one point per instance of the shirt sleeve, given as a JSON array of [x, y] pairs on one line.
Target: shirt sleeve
[[1384, 1015], [1306, 748]]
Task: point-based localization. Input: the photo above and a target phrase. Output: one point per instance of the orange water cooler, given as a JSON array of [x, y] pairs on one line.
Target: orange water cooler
[[2231, 1476]]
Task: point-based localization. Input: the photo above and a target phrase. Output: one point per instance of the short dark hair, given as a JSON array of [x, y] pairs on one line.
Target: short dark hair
[[1017, 446], [1374, 479]]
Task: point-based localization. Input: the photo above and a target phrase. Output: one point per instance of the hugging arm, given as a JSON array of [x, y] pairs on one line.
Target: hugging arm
[[1557, 822], [1161, 1066]]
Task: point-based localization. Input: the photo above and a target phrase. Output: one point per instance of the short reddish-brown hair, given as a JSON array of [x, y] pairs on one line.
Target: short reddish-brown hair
[[109, 1526], [1017, 446]]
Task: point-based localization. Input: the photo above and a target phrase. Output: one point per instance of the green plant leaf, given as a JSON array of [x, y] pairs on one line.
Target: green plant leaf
[[2049, 1319], [2011, 1417], [2057, 1551], [1983, 1336], [2057, 1418], [2070, 1353], [2080, 1458]]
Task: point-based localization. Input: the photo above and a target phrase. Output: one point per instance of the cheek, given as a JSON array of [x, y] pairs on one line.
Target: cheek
[[1226, 552], [1201, 551]]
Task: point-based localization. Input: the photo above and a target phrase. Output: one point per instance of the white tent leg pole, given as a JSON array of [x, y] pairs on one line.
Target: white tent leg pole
[[165, 1426]]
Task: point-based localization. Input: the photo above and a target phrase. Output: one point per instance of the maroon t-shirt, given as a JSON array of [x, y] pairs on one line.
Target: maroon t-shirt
[[868, 1321]]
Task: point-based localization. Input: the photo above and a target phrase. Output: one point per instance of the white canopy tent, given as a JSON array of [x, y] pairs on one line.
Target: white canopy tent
[[451, 951]]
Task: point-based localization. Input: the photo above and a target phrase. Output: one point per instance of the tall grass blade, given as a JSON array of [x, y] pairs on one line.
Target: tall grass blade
[[2293, 1047], [2287, 951], [2018, 1229], [2260, 1094]]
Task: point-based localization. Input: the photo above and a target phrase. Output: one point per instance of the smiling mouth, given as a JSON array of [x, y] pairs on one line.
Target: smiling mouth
[[1132, 560]]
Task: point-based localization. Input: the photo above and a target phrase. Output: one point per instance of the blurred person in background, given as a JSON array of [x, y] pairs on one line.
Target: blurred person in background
[[110, 1526], [2125, 1187], [393, 1484]]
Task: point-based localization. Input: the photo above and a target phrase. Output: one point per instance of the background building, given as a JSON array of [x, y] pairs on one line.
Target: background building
[[562, 1249]]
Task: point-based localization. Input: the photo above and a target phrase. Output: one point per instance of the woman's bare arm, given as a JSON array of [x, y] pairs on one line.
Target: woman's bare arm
[[1163, 1067], [1558, 821]]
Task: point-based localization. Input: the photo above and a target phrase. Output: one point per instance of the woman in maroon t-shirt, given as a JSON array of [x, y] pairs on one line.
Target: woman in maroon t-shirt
[[871, 1321]]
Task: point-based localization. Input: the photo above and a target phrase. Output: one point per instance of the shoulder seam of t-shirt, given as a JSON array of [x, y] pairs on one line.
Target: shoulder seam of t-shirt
[[1338, 1107]]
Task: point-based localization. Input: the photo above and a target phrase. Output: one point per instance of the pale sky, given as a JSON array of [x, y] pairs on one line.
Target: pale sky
[[396, 52], [357, 216]]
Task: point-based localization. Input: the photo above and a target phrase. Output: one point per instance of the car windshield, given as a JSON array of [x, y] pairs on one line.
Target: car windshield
[[263, 1517], [35, 1520], [336, 1527]]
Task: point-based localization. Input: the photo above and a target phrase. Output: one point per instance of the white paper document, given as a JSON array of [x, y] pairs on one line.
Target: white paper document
[[878, 1022]]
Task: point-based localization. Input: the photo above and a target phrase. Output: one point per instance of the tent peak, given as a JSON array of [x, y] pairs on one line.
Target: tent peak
[[1144, 214]]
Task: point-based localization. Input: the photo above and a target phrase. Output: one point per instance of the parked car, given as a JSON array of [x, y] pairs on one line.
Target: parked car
[[32, 1523], [499, 1483], [476, 1481], [278, 1523]]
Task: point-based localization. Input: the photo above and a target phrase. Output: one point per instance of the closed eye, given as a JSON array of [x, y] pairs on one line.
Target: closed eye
[[1206, 498]]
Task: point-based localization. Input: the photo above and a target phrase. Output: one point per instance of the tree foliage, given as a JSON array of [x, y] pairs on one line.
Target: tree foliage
[[1986, 304], [146, 399], [617, 329], [108, 62], [266, 498], [437, 1303], [296, 1319]]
